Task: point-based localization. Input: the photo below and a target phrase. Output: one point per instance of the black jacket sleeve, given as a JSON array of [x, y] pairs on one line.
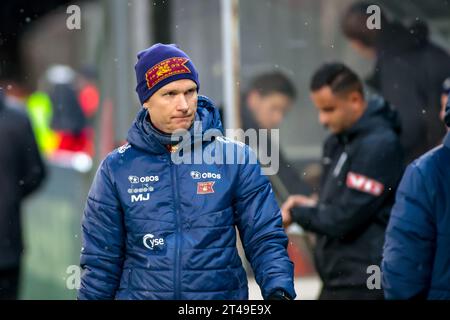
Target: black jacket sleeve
[[258, 220]]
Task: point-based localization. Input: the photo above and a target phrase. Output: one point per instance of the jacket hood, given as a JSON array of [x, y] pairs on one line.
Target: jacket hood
[[379, 114], [140, 138]]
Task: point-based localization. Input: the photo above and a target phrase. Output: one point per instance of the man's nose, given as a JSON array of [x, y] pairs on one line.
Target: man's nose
[[182, 103]]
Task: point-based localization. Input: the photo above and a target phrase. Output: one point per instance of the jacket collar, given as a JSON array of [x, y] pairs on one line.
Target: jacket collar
[[378, 114]]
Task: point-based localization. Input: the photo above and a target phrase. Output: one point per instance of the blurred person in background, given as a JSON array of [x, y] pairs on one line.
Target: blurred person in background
[[264, 106], [69, 119], [22, 171], [416, 255], [362, 165], [156, 229], [61, 112], [409, 71]]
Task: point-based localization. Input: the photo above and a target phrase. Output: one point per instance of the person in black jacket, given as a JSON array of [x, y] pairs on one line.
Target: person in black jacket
[[416, 257], [22, 171], [409, 71], [362, 165]]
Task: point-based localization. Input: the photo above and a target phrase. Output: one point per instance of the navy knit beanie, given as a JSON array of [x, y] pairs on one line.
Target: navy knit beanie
[[159, 65]]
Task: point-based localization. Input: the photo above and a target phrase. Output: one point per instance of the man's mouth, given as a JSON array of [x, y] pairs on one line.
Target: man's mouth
[[182, 117]]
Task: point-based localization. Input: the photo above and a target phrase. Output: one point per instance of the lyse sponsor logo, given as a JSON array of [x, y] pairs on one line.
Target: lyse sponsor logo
[[151, 242], [205, 187], [140, 197], [205, 175], [364, 184], [136, 179]]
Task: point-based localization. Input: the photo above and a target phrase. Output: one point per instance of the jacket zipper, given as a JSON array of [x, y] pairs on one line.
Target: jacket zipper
[[177, 270]]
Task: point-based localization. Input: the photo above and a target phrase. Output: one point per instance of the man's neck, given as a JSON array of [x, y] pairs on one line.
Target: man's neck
[[155, 127]]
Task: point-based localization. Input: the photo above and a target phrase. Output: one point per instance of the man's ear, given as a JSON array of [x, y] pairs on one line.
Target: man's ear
[[355, 98]]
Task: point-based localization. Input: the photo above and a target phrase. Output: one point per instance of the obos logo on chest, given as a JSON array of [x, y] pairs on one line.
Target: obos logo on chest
[[205, 175], [136, 179]]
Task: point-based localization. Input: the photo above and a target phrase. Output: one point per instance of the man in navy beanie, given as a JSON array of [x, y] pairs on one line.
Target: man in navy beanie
[[159, 65], [157, 229], [416, 256]]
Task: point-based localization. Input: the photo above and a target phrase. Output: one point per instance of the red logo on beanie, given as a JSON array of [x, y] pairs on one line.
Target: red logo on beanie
[[165, 69]]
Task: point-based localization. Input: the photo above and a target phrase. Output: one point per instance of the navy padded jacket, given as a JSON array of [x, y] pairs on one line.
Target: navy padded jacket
[[416, 259]]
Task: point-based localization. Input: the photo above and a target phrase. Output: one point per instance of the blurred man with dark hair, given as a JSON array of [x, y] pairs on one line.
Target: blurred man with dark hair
[[270, 98], [416, 255], [362, 164], [408, 73], [265, 104]]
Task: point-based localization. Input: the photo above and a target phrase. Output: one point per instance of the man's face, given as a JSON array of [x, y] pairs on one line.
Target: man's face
[[337, 112], [444, 99], [173, 106], [270, 109]]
